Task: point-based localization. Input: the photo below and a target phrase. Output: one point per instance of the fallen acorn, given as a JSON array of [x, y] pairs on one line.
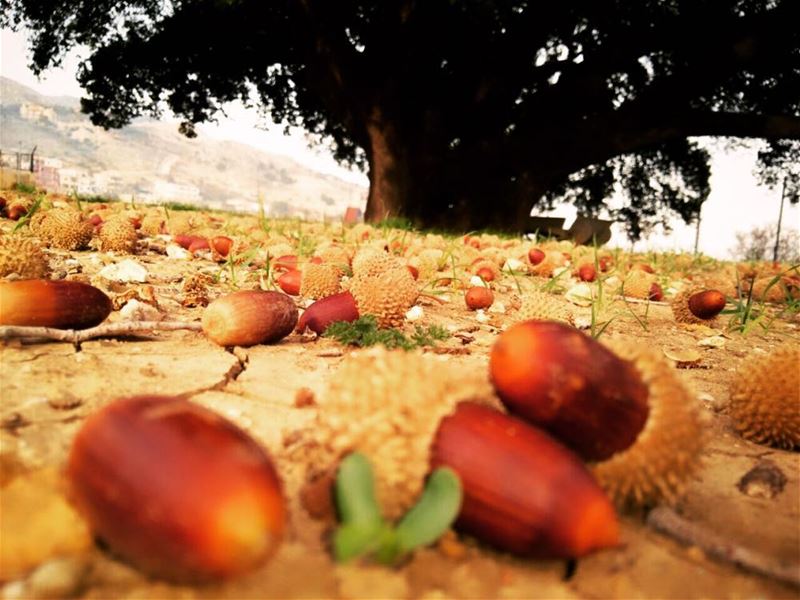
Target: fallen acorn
[[624, 408], [707, 304], [221, 245], [478, 297], [60, 304], [176, 490], [587, 272], [524, 492], [287, 262], [198, 243], [535, 256], [338, 307], [656, 293], [291, 281], [249, 317], [486, 274], [411, 413]]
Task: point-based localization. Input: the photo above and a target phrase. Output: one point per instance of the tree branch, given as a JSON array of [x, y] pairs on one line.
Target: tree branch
[[106, 330]]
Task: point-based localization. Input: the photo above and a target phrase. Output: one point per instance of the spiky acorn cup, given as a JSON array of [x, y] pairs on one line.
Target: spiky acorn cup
[[387, 295], [118, 234], [543, 307], [65, 229], [426, 263], [697, 306], [765, 398], [638, 284], [319, 281], [666, 453], [335, 256], [387, 404], [370, 261], [22, 257]]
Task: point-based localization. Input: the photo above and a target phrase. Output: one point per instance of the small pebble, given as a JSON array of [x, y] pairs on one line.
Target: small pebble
[[57, 578]]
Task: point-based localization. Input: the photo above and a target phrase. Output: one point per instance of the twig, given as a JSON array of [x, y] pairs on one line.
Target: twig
[[668, 522], [107, 330], [431, 297]]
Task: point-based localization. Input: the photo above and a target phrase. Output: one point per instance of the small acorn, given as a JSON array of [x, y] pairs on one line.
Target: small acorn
[[587, 272], [524, 492], [765, 398], [536, 256], [60, 304], [656, 293], [287, 262], [290, 282], [693, 306], [623, 407], [478, 297], [175, 489], [414, 271], [221, 246], [707, 304], [198, 243], [339, 307], [486, 274], [249, 317]]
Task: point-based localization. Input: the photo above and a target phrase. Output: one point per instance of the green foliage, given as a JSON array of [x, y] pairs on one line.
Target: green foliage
[[24, 188], [365, 332], [748, 312], [363, 531], [395, 223], [25, 219], [178, 206]]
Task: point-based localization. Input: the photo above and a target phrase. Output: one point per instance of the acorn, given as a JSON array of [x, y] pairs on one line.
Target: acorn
[[656, 293], [707, 304], [61, 304], [249, 317], [478, 297], [623, 407], [221, 246], [414, 271], [536, 256], [185, 240], [693, 306], [175, 489], [524, 492], [587, 272], [287, 262], [638, 284], [64, 228], [339, 307], [486, 274], [290, 282], [765, 398], [198, 243]]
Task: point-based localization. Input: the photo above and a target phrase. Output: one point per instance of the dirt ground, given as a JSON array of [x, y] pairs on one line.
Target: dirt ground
[[49, 388]]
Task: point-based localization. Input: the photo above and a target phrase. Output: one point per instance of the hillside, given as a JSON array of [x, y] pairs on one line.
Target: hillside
[[151, 160]]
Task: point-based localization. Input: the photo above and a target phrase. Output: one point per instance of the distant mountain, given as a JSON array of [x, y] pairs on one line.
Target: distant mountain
[[151, 160]]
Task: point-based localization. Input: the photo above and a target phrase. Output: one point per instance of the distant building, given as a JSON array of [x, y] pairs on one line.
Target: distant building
[[47, 178], [34, 112], [353, 215]]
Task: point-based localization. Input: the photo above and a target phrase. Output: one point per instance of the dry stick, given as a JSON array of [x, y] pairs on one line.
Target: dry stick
[[108, 330], [668, 522]]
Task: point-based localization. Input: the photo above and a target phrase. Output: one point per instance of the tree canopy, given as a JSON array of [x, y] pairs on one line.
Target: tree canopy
[[466, 113]]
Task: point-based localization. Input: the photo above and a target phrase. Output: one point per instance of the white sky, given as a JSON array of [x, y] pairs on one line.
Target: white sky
[[736, 202]]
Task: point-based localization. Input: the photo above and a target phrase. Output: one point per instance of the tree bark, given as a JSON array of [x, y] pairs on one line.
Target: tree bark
[[389, 177]]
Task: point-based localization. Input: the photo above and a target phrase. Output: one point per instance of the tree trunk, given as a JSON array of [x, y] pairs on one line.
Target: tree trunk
[[389, 177]]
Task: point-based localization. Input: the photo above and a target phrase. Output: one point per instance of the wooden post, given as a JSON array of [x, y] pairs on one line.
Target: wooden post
[[780, 218]]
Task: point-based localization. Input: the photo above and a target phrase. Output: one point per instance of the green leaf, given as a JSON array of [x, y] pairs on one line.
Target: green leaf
[[433, 514]]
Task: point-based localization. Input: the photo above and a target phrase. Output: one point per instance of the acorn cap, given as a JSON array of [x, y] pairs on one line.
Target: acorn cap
[[426, 263], [486, 264], [544, 307], [65, 229], [387, 404], [369, 262], [23, 257], [118, 234], [765, 398], [335, 256], [153, 224], [387, 296], [638, 283], [666, 453], [319, 281]]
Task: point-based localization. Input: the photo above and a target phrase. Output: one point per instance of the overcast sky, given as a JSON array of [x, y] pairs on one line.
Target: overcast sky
[[736, 202]]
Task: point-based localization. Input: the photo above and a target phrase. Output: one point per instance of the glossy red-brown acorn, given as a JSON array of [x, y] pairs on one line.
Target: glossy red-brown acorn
[[338, 307], [656, 293], [536, 256], [287, 262], [221, 244], [176, 489], [478, 297], [290, 282], [414, 271], [707, 304], [249, 317], [485, 273], [60, 304], [198, 243], [564, 381], [524, 492], [185, 241], [587, 272]]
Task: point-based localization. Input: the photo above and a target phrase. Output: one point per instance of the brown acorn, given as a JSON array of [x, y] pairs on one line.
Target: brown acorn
[[656, 293], [59, 304], [535, 255], [287, 262], [249, 317], [176, 489], [524, 492], [486, 274], [623, 406], [221, 246], [478, 297], [548, 373], [290, 282], [587, 272], [707, 304], [339, 307]]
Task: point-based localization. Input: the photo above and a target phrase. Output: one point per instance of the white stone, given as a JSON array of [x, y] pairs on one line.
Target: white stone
[[477, 282], [139, 311], [481, 316], [580, 294], [513, 264], [498, 307], [175, 251], [126, 271], [415, 313]]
